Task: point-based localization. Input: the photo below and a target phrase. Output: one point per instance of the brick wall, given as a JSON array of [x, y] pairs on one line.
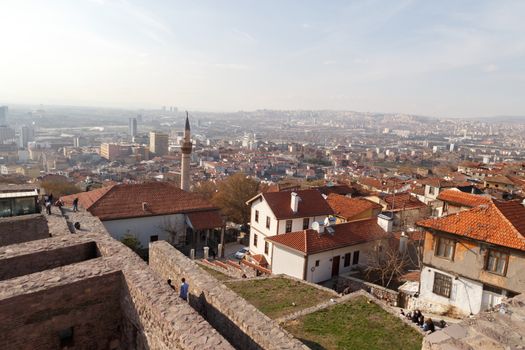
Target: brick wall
[[23, 228], [90, 306], [30, 263], [239, 322]]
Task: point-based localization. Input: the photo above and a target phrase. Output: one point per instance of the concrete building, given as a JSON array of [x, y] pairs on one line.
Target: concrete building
[[275, 213], [132, 127], [27, 134], [186, 148], [158, 143], [113, 151], [3, 115], [473, 259]]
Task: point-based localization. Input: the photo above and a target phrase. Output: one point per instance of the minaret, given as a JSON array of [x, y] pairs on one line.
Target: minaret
[[186, 151]]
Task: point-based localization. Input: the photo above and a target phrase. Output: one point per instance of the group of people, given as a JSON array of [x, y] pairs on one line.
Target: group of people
[[48, 201], [418, 318], [183, 290]]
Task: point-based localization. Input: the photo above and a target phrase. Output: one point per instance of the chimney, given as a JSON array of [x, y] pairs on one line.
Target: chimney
[[385, 222], [403, 241], [294, 203]]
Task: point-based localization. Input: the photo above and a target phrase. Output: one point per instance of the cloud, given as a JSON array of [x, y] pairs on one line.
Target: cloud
[[490, 68]]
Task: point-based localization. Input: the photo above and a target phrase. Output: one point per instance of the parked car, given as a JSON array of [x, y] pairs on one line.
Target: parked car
[[241, 253]]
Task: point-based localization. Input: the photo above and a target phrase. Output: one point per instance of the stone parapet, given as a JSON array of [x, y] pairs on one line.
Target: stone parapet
[[241, 323]]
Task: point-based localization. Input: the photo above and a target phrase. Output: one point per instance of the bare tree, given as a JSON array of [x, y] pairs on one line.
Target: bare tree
[[387, 264]]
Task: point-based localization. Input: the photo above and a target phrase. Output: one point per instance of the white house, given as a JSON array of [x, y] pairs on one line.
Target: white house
[[153, 211], [323, 252], [275, 213]]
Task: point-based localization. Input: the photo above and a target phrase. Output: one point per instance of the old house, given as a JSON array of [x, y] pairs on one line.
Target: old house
[[154, 211], [275, 213], [404, 208], [474, 258], [325, 251]]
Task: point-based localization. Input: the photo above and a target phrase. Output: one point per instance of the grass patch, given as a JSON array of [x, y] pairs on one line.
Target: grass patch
[[218, 275], [274, 296], [355, 324]]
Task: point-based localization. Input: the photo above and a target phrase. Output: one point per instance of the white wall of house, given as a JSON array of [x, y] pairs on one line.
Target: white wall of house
[[276, 227], [323, 272], [145, 227], [288, 262], [466, 294]]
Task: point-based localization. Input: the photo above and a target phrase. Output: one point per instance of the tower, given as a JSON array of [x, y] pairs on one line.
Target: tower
[[186, 151], [132, 127]]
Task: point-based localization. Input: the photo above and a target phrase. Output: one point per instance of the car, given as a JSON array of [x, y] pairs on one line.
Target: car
[[241, 253]]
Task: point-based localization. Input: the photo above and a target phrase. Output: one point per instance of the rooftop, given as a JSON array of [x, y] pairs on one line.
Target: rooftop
[[462, 198], [499, 223], [312, 242], [126, 200], [349, 207]]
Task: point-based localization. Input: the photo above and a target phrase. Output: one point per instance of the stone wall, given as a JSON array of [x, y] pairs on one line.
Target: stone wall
[[23, 228], [90, 306], [391, 297], [239, 322], [43, 260]]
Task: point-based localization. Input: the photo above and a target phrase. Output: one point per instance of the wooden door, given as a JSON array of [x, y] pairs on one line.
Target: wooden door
[[335, 265]]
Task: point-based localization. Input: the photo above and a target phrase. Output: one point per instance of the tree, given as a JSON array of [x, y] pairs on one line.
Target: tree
[[59, 188], [206, 188], [132, 242], [387, 264], [232, 194]]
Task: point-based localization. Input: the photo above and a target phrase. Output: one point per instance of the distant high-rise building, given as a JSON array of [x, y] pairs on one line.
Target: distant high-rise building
[[3, 115], [27, 134], [158, 143], [7, 135], [132, 127]]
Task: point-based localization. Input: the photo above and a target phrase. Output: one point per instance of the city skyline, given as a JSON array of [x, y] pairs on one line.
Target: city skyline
[[407, 57]]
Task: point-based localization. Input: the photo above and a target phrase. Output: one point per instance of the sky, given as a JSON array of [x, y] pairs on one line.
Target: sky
[[437, 58]]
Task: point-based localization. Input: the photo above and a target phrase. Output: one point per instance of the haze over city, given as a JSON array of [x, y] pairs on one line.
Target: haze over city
[[443, 59]]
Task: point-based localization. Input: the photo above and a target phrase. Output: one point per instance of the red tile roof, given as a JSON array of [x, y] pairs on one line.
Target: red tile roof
[[462, 198], [311, 203], [338, 189], [499, 223], [202, 220], [125, 200], [349, 207], [402, 201], [347, 234]]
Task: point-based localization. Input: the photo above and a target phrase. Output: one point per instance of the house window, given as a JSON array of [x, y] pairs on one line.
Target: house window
[[306, 223], [316, 263], [431, 190], [288, 226], [255, 240], [66, 337], [266, 248], [355, 261], [256, 216], [347, 259], [442, 285], [268, 222], [153, 238], [497, 262], [445, 248]]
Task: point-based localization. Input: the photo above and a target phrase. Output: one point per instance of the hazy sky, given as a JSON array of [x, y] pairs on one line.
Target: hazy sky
[[440, 58]]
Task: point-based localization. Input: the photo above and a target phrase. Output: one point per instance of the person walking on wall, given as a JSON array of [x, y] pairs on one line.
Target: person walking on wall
[[184, 289], [75, 204]]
